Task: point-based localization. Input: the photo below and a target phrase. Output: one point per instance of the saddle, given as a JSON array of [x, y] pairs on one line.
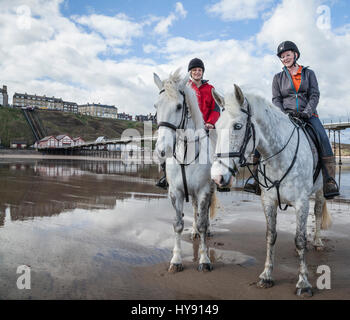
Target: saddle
[[315, 145]]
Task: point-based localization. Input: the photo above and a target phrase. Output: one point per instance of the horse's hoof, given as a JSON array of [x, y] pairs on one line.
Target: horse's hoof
[[175, 267], [304, 292], [265, 283], [209, 235], [205, 267]]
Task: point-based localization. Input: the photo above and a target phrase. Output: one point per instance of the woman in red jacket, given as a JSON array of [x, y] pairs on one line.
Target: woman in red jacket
[[210, 110]]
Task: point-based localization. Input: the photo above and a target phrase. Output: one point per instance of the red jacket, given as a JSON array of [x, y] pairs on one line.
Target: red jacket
[[210, 110]]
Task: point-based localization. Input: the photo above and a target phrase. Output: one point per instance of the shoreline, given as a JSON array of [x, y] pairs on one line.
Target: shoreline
[[32, 154]]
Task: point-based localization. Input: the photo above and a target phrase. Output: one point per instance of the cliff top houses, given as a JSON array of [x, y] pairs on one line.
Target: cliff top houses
[[4, 96], [33, 101]]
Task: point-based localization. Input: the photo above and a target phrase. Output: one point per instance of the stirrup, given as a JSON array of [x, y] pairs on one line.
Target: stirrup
[[334, 190], [162, 183], [252, 187]]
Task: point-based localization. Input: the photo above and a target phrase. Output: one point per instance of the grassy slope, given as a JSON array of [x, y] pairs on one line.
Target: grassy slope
[[14, 126]]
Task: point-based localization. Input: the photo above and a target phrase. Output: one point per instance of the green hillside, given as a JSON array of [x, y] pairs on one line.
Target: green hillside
[[14, 126]]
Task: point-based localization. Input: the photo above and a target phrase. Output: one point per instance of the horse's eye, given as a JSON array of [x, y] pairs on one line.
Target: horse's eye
[[237, 126], [178, 107]]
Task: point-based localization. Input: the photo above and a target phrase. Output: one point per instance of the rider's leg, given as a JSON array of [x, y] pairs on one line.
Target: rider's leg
[[253, 186], [330, 187], [162, 183]]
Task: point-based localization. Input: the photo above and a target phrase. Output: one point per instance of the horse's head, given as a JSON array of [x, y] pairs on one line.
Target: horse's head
[[170, 111], [236, 137]]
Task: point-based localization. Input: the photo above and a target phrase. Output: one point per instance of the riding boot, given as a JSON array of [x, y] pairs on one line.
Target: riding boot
[[162, 183], [330, 187], [253, 187]]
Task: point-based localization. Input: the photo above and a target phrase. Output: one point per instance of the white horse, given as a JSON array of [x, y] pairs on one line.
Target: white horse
[[250, 123], [179, 119]]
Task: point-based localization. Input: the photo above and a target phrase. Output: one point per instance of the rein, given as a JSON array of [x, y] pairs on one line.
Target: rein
[[249, 133], [182, 125]]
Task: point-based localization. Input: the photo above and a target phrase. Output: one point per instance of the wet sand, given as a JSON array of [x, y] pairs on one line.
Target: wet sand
[[237, 250], [117, 244]]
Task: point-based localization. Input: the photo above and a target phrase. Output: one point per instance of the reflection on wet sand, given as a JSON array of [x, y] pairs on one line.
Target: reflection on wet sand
[[47, 188]]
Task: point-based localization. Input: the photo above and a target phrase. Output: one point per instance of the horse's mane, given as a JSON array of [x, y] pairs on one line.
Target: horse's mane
[[260, 107], [172, 83]]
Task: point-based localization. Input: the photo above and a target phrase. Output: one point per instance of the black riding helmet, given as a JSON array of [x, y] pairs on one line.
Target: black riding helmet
[[286, 46], [196, 63]]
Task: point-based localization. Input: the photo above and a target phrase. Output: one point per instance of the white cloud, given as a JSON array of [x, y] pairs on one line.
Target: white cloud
[[179, 8], [119, 27], [61, 57], [165, 23], [230, 10]]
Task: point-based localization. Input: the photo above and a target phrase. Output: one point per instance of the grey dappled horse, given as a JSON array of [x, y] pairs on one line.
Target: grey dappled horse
[[251, 122], [179, 119]]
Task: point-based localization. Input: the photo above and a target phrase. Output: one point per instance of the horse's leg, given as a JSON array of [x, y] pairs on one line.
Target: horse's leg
[[194, 233], [270, 210], [202, 226], [303, 286], [177, 200], [319, 202]]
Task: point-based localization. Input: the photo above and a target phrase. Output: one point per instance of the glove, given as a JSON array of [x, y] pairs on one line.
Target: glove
[[294, 114], [304, 115]]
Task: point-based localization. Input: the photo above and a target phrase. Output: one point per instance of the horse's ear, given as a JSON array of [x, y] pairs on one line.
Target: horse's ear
[[239, 95], [157, 81], [220, 100], [184, 82]]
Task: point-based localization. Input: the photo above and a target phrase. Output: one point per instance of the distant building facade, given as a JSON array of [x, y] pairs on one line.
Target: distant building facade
[[4, 100], [40, 102], [99, 110], [124, 116], [18, 144], [70, 107], [59, 141], [43, 102], [143, 118]]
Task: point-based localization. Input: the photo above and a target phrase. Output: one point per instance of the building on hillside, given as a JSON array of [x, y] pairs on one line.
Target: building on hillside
[[70, 107], [99, 110], [124, 116], [40, 102], [4, 99], [143, 118]]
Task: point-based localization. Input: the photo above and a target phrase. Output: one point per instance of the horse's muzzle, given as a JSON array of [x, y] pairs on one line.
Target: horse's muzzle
[[224, 181]]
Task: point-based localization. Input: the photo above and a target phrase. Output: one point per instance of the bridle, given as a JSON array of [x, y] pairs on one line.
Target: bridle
[[184, 116], [250, 133], [182, 125]]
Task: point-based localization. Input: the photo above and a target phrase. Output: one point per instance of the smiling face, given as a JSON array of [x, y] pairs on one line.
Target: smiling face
[[197, 74], [287, 58]]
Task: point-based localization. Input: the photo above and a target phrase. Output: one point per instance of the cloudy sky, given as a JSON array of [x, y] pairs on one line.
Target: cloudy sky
[[106, 51]]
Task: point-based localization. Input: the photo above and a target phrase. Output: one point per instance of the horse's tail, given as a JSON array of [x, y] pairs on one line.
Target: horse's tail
[[213, 205], [326, 218]]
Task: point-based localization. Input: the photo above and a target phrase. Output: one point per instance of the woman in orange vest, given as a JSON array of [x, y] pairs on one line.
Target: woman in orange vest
[[295, 91]]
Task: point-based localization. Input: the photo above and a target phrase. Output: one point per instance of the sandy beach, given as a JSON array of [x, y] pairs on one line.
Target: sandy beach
[[106, 236], [234, 276]]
